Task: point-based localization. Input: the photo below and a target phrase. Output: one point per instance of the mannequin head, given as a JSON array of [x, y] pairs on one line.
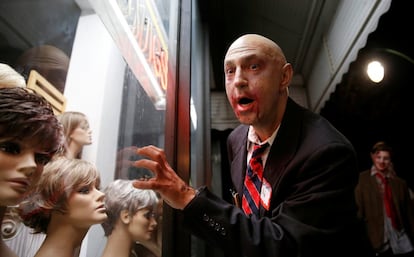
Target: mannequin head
[[30, 135], [131, 209], [67, 193], [76, 131]]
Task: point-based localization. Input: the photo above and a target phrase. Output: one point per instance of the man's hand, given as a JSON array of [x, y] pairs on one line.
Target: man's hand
[[175, 192]]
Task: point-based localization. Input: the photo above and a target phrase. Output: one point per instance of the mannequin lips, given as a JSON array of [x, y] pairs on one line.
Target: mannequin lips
[[19, 184], [101, 208]]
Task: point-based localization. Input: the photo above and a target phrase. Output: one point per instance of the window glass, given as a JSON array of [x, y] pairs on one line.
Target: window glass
[[145, 32]]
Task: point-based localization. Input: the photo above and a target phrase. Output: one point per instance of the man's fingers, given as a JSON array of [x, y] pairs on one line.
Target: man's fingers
[[152, 152], [147, 164], [156, 160], [143, 184]]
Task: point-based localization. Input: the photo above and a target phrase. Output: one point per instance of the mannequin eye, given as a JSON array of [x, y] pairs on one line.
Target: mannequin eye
[[84, 190], [150, 214], [42, 158], [10, 148]]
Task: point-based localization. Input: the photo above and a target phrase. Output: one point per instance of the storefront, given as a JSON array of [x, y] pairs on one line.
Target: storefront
[[131, 61], [141, 71]]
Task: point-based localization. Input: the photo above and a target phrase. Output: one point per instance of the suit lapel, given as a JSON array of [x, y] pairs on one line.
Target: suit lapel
[[283, 149], [238, 165]]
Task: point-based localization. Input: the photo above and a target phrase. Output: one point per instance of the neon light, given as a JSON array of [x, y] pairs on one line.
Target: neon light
[[150, 39]]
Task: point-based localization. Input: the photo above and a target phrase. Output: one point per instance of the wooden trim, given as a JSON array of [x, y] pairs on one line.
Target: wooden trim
[[40, 85]]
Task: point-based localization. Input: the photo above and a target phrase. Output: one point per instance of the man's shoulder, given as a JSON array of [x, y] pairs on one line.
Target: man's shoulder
[[365, 174], [315, 127], [239, 131]]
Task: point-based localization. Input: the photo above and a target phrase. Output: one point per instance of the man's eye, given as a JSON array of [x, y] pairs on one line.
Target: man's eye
[[10, 147], [229, 71], [254, 66], [42, 158]]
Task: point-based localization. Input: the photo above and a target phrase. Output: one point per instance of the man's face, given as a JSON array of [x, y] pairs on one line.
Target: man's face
[[381, 160], [253, 76]]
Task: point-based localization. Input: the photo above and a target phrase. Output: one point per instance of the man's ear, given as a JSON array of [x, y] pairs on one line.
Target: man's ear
[[286, 76], [125, 217]]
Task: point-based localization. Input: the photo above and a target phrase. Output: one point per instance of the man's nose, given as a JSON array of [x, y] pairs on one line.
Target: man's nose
[[240, 79]]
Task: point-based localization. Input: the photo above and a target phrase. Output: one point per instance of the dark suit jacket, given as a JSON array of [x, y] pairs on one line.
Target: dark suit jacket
[[313, 172]]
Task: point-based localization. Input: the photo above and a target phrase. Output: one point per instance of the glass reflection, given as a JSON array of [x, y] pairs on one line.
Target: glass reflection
[[146, 33], [142, 30], [141, 124]]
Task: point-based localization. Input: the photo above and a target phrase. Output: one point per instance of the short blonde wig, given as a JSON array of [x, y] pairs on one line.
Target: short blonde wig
[[10, 78], [60, 178]]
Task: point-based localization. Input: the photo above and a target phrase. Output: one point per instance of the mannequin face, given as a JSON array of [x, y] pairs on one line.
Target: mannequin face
[[82, 135], [86, 207], [20, 166], [142, 225], [381, 160]]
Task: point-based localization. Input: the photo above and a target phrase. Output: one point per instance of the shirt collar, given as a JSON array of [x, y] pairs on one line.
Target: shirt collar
[[374, 172], [254, 139]]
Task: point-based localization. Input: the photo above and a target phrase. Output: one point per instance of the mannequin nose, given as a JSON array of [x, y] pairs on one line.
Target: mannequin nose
[[27, 163], [101, 195], [154, 222]]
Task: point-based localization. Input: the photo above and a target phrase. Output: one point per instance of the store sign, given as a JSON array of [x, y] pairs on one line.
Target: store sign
[[146, 25], [137, 29]]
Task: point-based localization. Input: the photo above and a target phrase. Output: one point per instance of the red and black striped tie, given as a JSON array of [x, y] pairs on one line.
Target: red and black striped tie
[[253, 181]]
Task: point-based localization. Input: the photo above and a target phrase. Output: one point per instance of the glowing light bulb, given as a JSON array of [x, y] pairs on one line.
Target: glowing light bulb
[[375, 71]]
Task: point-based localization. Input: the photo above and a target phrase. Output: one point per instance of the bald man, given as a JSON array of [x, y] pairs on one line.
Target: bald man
[[306, 204]]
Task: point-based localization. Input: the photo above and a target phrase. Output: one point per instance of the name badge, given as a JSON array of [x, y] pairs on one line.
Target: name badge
[[265, 194]]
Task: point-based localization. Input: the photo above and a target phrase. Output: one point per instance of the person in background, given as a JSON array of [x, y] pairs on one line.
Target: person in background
[[30, 135], [131, 219], [10, 77], [64, 204], [77, 133], [304, 202], [384, 203]]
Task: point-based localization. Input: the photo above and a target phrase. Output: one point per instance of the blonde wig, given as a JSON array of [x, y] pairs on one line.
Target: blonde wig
[[60, 179], [10, 78]]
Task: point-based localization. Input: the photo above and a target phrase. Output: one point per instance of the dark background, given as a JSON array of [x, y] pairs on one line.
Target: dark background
[[366, 112]]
